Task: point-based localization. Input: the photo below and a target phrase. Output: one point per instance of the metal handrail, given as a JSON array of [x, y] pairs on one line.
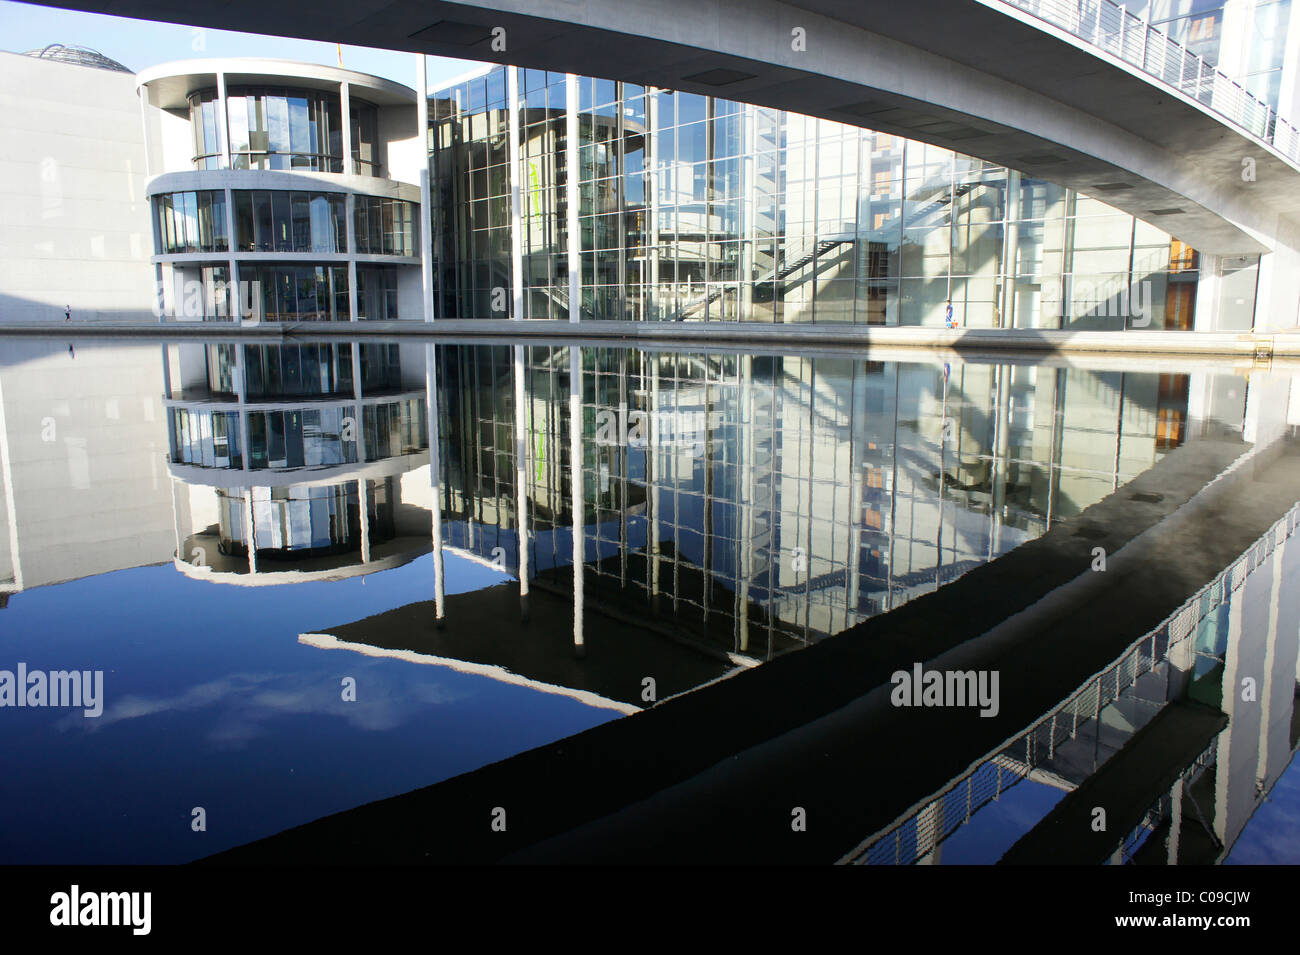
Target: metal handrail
[[1109, 27]]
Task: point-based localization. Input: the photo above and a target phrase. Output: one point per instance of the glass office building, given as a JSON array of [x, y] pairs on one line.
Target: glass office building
[[665, 206]]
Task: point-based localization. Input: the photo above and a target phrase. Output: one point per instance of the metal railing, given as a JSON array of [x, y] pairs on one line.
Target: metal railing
[[918, 831], [1110, 27]]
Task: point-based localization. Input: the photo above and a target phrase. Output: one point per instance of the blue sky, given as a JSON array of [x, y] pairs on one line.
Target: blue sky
[[138, 44]]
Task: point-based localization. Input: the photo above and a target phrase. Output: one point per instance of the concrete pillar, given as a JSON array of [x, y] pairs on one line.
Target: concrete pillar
[[1208, 284], [234, 294], [249, 530], [363, 507], [223, 130], [572, 196], [521, 475], [578, 497], [425, 218], [746, 402], [435, 481], [516, 199], [345, 113], [652, 167]]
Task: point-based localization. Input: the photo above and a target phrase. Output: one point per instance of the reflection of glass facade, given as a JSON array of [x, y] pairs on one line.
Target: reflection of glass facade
[[288, 438], [694, 208], [1247, 41], [293, 522], [764, 502]]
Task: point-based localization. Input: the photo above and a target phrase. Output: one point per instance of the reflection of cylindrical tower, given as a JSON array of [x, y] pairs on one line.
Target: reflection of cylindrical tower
[[326, 489], [282, 192]]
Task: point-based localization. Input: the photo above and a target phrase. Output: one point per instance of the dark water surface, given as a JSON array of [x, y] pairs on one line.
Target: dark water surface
[[728, 509]]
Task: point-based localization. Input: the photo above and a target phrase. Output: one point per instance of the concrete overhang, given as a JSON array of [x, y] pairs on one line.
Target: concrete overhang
[[296, 180], [170, 84], [961, 74]]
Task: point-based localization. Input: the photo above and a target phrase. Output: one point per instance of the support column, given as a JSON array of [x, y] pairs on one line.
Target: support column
[[746, 402], [1206, 316], [578, 497], [234, 293], [1001, 452], [435, 481], [573, 198], [241, 389], [521, 477], [652, 169], [426, 189], [249, 531], [345, 114], [1010, 252], [363, 503], [360, 416], [223, 130], [1175, 822], [516, 199], [653, 458], [350, 227], [144, 125]]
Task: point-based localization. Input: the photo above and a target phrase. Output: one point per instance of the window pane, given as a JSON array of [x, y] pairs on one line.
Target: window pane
[[302, 231], [265, 221], [299, 133], [283, 222], [277, 120], [244, 225]]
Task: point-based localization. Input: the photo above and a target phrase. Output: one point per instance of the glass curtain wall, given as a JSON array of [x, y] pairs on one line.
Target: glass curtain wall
[[386, 226], [281, 221], [191, 222], [284, 129], [695, 208]]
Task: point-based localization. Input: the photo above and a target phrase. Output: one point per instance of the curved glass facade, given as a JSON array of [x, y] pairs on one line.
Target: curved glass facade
[[290, 438], [191, 221], [281, 128], [300, 293], [695, 208], [377, 293], [197, 292], [295, 522], [283, 221], [386, 226], [306, 370]]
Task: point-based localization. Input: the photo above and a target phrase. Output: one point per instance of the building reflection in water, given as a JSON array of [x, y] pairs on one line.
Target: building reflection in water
[[743, 504], [755, 504], [739, 505], [295, 462]]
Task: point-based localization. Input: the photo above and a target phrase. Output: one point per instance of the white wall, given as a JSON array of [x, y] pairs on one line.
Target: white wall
[[397, 129], [86, 444], [74, 220]]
